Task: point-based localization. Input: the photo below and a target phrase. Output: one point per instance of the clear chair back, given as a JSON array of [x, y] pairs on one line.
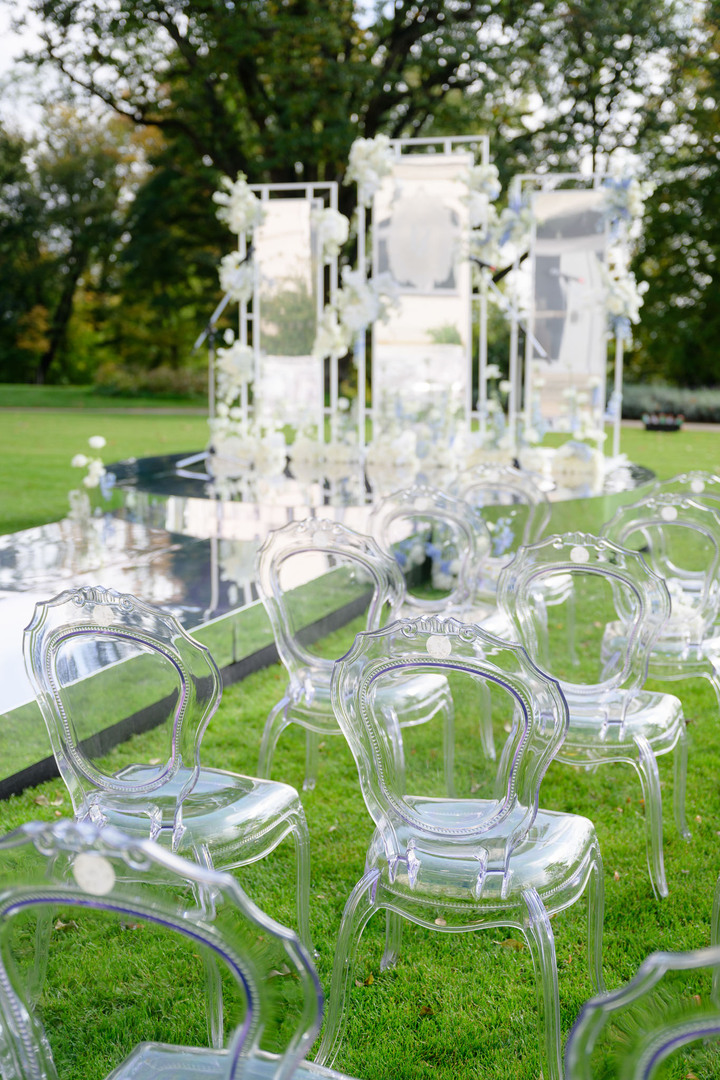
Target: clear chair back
[[438, 540], [96, 657], [134, 939], [563, 627]]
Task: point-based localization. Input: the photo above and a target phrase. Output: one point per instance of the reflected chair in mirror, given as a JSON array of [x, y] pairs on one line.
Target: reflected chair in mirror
[[120, 889], [612, 719], [318, 567], [516, 512], [664, 1023], [94, 656], [465, 863], [679, 537]]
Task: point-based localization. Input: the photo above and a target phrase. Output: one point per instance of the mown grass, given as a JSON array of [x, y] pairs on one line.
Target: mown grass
[[28, 396], [456, 1005], [36, 449]]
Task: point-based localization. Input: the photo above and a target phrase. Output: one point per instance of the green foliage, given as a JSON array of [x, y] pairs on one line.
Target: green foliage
[[701, 405], [164, 381]]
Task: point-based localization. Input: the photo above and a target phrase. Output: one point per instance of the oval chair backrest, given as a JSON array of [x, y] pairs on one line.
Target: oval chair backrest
[[628, 1033], [444, 513], [446, 646], [67, 863], [93, 620], [504, 485], [657, 514], [310, 537], [641, 598]]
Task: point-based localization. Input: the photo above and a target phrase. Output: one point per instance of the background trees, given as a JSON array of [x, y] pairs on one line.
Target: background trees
[[119, 240]]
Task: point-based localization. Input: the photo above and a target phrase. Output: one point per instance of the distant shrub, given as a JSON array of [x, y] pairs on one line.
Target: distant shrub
[[164, 381], [701, 406]]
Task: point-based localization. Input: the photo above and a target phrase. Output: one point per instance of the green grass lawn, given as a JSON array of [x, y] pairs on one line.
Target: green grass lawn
[[27, 396], [36, 449], [456, 1005]]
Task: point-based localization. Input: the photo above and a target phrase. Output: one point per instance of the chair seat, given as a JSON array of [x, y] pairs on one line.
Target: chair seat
[[653, 715], [158, 1061], [225, 811], [555, 852]]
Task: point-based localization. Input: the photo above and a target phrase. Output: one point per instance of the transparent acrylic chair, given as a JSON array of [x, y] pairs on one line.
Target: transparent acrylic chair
[[94, 656], [350, 570], [679, 537], [425, 527], [465, 863], [515, 509], [666, 1017], [612, 719], [115, 887]]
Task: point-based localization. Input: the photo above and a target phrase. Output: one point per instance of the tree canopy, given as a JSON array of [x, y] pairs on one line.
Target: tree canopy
[[279, 89]]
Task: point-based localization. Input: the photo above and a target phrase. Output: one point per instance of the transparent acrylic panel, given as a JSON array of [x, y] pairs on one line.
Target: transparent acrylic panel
[[568, 297], [420, 353]]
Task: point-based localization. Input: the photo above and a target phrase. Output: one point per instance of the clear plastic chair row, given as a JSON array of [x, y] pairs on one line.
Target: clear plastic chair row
[[122, 880]]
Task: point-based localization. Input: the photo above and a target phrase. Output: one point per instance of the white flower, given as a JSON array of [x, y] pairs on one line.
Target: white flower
[[228, 335], [237, 277], [234, 367], [369, 162], [331, 337], [492, 371], [483, 188], [343, 404], [96, 470], [240, 208], [80, 461], [625, 197], [96, 442], [333, 229], [504, 386]]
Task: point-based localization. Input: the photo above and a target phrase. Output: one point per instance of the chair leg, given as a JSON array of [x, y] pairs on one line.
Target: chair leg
[[311, 760], [541, 942], [358, 909], [680, 781], [596, 912], [393, 939], [646, 766], [301, 839], [213, 980], [713, 677], [275, 724], [486, 731]]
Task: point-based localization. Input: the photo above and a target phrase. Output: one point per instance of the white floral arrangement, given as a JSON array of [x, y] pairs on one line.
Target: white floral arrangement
[[234, 367], [369, 162], [239, 445], [625, 197], [311, 459], [358, 303], [483, 184], [237, 276], [624, 294], [94, 465], [332, 230], [239, 207]]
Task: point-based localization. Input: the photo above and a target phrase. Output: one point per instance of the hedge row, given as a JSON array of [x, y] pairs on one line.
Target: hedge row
[[701, 405]]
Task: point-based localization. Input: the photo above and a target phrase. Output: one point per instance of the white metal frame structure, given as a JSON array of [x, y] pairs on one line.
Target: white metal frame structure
[[444, 145], [520, 397]]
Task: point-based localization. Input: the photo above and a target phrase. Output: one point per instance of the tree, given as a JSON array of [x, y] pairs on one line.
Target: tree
[[61, 212], [680, 249], [280, 88]]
